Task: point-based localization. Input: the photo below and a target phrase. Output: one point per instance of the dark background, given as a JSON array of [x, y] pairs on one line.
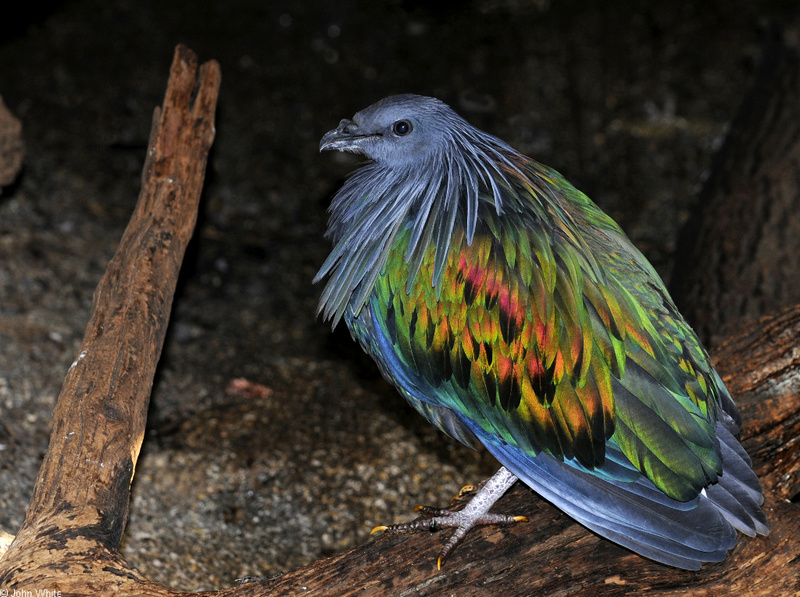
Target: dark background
[[628, 99]]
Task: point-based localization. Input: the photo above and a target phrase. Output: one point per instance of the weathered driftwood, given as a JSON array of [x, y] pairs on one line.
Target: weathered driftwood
[[71, 536]]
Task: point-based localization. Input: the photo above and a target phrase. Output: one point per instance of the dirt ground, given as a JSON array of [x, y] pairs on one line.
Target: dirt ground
[[628, 99]]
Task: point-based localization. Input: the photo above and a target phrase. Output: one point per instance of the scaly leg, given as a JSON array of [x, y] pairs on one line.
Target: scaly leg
[[475, 513]]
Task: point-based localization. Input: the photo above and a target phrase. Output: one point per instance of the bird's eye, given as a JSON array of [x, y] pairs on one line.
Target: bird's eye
[[401, 128]]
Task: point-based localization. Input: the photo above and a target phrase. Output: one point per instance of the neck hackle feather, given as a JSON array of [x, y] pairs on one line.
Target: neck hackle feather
[[432, 198]]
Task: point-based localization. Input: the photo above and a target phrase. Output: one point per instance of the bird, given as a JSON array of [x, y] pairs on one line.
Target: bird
[[511, 312]]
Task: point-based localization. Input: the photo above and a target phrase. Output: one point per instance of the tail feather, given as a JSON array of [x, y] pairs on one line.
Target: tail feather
[[738, 494], [730, 508], [639, 516], [738, 465]]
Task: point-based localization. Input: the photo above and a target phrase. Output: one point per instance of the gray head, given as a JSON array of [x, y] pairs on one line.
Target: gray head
[[403, 130]]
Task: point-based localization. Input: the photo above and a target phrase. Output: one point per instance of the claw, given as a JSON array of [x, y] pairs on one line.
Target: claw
[[463, 493], [475, 513]]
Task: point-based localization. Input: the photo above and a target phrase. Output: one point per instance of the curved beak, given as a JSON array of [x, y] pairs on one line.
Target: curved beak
[[345, 137]]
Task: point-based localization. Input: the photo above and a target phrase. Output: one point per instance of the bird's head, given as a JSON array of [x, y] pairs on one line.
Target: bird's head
[[398, 131]]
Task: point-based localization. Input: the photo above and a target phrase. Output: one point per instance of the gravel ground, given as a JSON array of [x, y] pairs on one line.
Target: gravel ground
[[627, 99]]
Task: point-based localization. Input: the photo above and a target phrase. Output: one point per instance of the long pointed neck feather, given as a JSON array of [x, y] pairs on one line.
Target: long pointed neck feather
[[431, 198]]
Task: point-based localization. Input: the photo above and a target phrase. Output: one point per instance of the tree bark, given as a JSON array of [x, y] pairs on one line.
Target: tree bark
[[79, 506], [739, 255], [70, 539]]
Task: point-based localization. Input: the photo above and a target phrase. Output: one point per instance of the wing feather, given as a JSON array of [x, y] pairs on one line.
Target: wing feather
[[552, 343]]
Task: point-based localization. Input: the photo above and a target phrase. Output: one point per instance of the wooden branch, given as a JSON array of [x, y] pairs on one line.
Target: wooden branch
[[72, 531], [69, 541]]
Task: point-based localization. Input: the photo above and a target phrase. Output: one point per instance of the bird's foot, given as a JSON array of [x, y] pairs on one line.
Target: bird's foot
[[475, 513]]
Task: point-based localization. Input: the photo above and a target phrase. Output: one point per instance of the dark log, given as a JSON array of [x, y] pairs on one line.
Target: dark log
[[70, 539], [72, 531], [739, 255]]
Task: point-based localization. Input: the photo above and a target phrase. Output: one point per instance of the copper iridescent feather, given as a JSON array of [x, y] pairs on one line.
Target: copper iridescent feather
[[509, 309]]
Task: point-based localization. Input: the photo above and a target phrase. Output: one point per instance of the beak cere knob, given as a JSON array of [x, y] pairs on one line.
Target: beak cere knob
[[340, 138]]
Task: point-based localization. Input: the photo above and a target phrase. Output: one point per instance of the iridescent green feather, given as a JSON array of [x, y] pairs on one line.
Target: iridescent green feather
[[539, 322]]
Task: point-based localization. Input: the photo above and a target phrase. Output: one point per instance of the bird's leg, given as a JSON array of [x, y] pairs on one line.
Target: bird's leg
[[475, 513]]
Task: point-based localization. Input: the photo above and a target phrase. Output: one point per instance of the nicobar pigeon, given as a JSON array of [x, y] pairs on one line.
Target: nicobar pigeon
[[510, 311]]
